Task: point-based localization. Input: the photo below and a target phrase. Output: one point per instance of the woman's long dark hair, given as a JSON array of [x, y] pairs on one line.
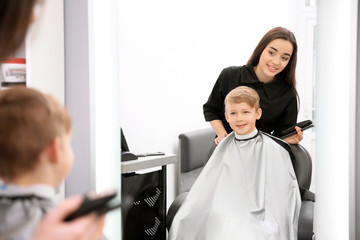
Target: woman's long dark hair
[[279, 33], [15, 18]]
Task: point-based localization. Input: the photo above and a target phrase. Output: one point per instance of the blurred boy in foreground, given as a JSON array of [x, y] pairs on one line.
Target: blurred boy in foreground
[[35, 158]]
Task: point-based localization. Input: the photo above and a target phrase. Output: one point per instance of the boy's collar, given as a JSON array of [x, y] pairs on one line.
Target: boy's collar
[[40, 190], [246, 137]]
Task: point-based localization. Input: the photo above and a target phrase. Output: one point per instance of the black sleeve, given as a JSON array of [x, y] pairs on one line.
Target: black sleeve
[[288, 118], [214, 107]]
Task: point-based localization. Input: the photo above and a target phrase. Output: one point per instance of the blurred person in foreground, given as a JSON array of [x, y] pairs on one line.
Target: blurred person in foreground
[[16, 16]]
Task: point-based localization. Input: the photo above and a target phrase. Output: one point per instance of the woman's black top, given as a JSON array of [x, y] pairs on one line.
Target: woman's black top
[[278, 100]]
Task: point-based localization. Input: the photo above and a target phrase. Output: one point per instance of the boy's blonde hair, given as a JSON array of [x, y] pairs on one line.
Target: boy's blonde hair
[[29, 122], [243, 94]]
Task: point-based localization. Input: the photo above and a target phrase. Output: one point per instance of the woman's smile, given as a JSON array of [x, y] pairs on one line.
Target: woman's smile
[[272, 69]]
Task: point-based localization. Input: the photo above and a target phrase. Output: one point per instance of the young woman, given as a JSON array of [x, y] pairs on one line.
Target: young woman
[[271, 72]]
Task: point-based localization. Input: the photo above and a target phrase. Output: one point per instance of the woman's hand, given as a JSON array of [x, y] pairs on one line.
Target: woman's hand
[[219, 130], [219, 138], [296, 138], [89, 227]]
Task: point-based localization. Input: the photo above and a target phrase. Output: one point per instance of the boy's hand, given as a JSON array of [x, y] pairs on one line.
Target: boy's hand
[[296, 138], [219, 138], [53, 226]]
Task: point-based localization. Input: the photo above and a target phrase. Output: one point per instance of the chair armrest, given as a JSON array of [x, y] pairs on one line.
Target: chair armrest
[[307, 195], [306, 217], [174, 208]]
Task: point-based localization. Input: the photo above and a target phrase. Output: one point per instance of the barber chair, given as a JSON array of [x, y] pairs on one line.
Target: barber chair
[[196, 147]]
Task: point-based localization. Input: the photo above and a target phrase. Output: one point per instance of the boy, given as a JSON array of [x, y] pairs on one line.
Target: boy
[[248, 189], [35, 157]]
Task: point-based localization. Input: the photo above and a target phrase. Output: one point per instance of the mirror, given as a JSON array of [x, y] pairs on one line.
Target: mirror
[[171, 54]]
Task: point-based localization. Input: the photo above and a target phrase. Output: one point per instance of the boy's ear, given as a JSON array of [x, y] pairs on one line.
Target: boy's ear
[[258, 113], [53, 150], [226, 117]]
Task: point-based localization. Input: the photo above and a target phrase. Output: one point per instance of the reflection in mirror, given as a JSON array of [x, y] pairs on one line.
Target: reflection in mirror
[[171, 54]]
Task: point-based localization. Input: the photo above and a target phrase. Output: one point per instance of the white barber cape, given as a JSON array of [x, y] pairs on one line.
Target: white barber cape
[[247, 190]]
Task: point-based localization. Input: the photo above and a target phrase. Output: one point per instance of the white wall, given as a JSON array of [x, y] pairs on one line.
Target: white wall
[[45, 50], [171, 53]]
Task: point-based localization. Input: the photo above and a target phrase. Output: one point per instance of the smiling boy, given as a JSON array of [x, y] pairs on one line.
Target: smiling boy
[[248, 188], [242, 110]]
